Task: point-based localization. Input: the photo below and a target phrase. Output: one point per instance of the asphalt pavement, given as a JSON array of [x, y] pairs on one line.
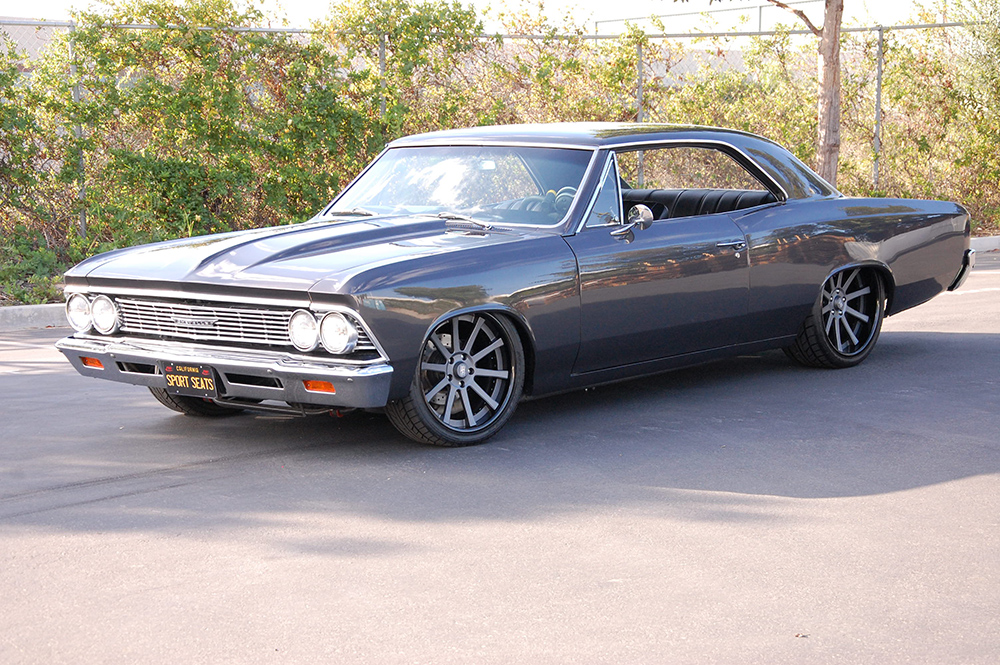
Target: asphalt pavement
[[746, 511]]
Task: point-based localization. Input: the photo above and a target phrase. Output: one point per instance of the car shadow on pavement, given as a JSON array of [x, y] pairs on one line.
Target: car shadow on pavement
[[725, 441]]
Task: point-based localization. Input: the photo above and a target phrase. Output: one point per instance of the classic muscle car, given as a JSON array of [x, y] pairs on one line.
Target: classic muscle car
[[465, 270]]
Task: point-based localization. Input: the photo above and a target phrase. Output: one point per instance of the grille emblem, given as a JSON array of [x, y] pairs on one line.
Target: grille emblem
[[193, 322]]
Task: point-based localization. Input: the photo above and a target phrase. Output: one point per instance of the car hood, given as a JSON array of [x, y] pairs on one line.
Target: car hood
[[289, 258]]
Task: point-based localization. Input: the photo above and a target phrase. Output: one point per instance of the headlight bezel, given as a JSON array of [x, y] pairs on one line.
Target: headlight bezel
[[342, 341], [78, 324], [104, 301], [313, 339]]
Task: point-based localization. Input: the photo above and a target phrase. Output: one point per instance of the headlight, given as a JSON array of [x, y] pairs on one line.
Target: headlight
[[105, 315], [303, 330], [78, 312], [337, 333]]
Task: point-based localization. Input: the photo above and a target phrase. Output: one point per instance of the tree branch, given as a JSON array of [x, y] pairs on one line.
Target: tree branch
[[801, 14]]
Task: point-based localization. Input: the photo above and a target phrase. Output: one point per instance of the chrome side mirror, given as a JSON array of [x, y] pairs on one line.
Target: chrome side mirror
[[640, 216]]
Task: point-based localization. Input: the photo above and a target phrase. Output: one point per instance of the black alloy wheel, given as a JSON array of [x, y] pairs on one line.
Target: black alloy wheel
[[468, 382], [845, 322]]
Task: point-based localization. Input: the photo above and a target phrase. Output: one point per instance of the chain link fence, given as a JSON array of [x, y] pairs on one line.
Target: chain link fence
[[663, 62]]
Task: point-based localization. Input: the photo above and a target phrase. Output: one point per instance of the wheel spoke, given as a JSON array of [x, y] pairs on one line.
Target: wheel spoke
[[442, 349], [856, 314], [497, 343], [450, 404], [428, 396], [857, 294], [493, 373], [455, 344], [850, 279], [840, 345], [493, 404], [850, 333], [470, 417], [475, 333], [829, 322], [434, 367]]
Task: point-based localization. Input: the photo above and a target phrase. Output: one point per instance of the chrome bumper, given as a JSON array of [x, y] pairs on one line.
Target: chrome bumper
[[968, 263], [242, 374]]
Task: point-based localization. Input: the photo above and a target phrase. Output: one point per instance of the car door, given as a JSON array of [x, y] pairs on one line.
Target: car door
[[677, 287]]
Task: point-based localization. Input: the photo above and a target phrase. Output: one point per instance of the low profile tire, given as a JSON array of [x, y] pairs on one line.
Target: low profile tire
[[191, 406], [468, 382], [845, 322]]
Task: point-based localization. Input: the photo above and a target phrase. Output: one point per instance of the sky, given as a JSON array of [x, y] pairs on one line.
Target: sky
[[585, 12]]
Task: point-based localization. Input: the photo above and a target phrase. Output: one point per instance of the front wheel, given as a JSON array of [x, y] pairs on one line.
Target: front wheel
[[467, 384], [845, 322]]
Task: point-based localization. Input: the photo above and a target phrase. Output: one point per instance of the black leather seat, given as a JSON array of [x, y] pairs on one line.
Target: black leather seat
[[670, 203]]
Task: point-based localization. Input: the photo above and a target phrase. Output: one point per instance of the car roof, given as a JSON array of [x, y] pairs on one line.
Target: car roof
[[582, 134], [791, 177]]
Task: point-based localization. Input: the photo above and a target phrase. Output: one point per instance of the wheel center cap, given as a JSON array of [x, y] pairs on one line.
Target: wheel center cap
[[461, 370], [840, 303]]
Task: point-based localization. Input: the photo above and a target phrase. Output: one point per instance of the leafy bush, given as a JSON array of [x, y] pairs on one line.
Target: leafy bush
[[195, 127]]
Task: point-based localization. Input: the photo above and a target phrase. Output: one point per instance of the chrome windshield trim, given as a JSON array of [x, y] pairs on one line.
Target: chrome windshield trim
[[594, 150]]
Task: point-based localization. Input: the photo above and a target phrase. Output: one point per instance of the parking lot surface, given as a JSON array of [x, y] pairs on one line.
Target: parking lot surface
[[747, 511]]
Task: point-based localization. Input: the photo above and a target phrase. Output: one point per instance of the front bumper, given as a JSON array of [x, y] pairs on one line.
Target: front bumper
[[243, 374]]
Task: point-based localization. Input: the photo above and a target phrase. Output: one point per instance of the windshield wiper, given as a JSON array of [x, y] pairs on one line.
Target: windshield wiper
[[360, 212], [464, 218]]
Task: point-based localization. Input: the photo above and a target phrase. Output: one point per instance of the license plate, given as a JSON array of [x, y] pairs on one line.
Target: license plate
[[191, 380]]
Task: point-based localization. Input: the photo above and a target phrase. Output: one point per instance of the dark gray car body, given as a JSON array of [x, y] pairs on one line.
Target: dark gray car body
[[589, 308]]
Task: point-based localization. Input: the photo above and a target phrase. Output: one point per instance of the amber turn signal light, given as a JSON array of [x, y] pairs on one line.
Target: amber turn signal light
[[319, 386], [91, 362]]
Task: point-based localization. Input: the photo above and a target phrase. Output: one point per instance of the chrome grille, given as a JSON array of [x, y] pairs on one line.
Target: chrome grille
[[217, 322]]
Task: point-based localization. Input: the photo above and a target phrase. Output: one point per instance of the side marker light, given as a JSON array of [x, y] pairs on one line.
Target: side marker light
[[319, 387], [91, 362]]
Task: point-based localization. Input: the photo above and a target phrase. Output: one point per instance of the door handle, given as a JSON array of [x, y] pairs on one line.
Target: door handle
[[738, 245]]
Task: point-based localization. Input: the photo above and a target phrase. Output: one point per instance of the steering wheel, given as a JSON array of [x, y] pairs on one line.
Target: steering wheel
[[564, 197]]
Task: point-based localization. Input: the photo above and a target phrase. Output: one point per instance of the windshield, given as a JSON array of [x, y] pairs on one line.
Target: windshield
[[505, 184]]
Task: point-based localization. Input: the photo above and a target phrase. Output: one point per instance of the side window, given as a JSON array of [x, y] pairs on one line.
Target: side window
[[685, 167], [607, 206]]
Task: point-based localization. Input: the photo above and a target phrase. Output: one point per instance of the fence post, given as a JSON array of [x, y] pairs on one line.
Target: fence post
[[78, 131], [381, 75], [878, 106], [638, 85], [638, 112]]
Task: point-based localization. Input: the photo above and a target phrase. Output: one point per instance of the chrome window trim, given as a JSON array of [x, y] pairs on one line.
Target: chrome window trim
[[612, 162], [638, 145]]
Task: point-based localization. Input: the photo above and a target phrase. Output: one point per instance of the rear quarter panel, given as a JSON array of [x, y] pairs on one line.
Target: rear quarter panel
[[796, 245]]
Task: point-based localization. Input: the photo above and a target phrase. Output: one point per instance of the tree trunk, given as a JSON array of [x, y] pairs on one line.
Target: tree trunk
[[828, 65]]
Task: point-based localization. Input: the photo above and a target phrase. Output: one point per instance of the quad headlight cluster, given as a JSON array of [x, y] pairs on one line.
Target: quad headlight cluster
[[101, 314], [307, 330], [333, 330]]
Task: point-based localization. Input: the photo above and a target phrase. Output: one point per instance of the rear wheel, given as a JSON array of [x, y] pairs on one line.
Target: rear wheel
[[845, 322], [191, 406], [468, 382]]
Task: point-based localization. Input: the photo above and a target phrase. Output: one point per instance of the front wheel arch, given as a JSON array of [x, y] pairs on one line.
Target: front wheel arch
[[468, 380]]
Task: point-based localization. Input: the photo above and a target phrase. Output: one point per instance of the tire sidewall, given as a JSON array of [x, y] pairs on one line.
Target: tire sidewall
[[833, 355], [430, 420]]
